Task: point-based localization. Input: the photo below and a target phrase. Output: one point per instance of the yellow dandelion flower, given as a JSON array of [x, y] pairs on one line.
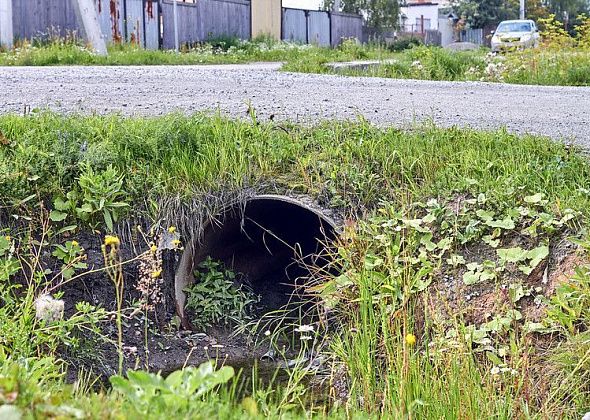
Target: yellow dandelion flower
[[175, 242], [111, 240], [156, 274], [8, 238], [75, 243], [171, 229], [154, 248], [410, 339]]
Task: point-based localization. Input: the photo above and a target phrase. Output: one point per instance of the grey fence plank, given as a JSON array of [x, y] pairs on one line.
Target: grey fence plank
[[344, 26], [110, 18], [318, 28], [294, 26], [151, 15], [206, 19], [472, 35], [142, 23]]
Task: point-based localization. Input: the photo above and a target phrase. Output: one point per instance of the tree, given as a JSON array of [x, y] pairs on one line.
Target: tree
[[571, 7], [377, 13], [482, 13]]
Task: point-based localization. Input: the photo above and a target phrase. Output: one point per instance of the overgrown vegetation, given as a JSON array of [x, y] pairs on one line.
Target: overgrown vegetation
[[563, 59], [453, 292]]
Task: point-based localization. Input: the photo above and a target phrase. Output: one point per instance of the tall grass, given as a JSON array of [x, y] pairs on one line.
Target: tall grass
[[345, 164]]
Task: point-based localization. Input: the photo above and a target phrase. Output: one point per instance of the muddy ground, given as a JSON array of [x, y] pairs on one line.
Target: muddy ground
[[167, 348]]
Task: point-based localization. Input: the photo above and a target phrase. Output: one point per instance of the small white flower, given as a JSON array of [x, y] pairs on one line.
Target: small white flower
[[267, 333], [304, 328], [306, 337], [495, 370]]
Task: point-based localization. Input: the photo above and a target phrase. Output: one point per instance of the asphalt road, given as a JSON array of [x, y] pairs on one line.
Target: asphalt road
[[559, 112]]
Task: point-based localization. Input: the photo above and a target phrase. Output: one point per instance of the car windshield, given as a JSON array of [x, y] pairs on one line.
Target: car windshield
[[514, 27]]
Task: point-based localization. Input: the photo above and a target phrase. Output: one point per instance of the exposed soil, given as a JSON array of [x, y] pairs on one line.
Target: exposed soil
[[478, 303], [168, 347]]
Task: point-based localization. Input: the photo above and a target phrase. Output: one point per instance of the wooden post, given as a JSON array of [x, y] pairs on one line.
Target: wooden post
[[87, 16], [6, 33]]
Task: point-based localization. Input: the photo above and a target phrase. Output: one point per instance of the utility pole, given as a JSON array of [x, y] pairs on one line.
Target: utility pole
[[522, 9], [87, 16], [6, 33]]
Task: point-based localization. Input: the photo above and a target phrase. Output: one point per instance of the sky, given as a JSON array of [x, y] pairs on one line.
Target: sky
[[303, 4]]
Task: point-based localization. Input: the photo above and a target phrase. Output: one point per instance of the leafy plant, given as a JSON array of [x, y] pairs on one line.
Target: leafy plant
[[98, 195], [569, 306], [216, 298], [152, 395], [9, 264], [72, 256]]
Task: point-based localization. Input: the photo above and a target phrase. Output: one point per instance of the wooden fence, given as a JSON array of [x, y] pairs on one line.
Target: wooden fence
[[206, 19], [320, 28], [150, 23], [134, 21]]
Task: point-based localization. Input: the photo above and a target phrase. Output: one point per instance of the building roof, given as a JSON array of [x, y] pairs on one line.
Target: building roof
[[413, 3]]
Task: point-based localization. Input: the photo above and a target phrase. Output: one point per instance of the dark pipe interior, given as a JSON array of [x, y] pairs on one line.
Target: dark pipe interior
[[268, 243]]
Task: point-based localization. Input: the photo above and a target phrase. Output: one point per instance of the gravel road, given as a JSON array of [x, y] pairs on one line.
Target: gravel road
[[558, 112]]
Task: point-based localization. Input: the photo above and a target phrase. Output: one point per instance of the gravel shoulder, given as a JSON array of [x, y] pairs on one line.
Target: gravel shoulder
[[562, 113]]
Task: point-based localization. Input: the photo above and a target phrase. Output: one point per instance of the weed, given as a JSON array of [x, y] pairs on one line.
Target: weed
[[150, 394], [97, 194], [218, 296]]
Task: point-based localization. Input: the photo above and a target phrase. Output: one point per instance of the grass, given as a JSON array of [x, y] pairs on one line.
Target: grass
[[189, 156], [568, 66], [391, 349], [59, 51]]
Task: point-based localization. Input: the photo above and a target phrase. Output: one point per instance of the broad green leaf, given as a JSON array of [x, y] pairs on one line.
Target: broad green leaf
[[57, 216], [506, 223], [513, 255], [60, 204], [469, 278], [534, 199], [537, 255]]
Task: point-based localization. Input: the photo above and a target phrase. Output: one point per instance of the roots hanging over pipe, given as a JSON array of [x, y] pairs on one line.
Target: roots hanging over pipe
[[271, 239]]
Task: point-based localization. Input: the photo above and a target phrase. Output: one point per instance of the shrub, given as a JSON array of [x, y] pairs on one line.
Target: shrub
[[405, 43]]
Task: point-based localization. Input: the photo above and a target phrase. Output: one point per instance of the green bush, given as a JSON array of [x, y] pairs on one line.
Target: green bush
[[405, 43]]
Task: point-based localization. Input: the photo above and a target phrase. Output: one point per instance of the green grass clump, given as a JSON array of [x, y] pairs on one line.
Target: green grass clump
[[352, 164]]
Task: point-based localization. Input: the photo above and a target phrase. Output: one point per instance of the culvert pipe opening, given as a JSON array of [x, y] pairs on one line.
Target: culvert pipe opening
[[271, 241]]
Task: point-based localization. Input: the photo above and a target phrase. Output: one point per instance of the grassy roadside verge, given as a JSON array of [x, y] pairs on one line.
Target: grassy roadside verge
[[489, 210], [546, 66]]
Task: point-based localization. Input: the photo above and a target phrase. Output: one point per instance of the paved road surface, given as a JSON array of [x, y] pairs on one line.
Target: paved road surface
[[558, 112]]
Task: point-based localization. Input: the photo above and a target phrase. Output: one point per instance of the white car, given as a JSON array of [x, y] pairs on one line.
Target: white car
[[515, 34]]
